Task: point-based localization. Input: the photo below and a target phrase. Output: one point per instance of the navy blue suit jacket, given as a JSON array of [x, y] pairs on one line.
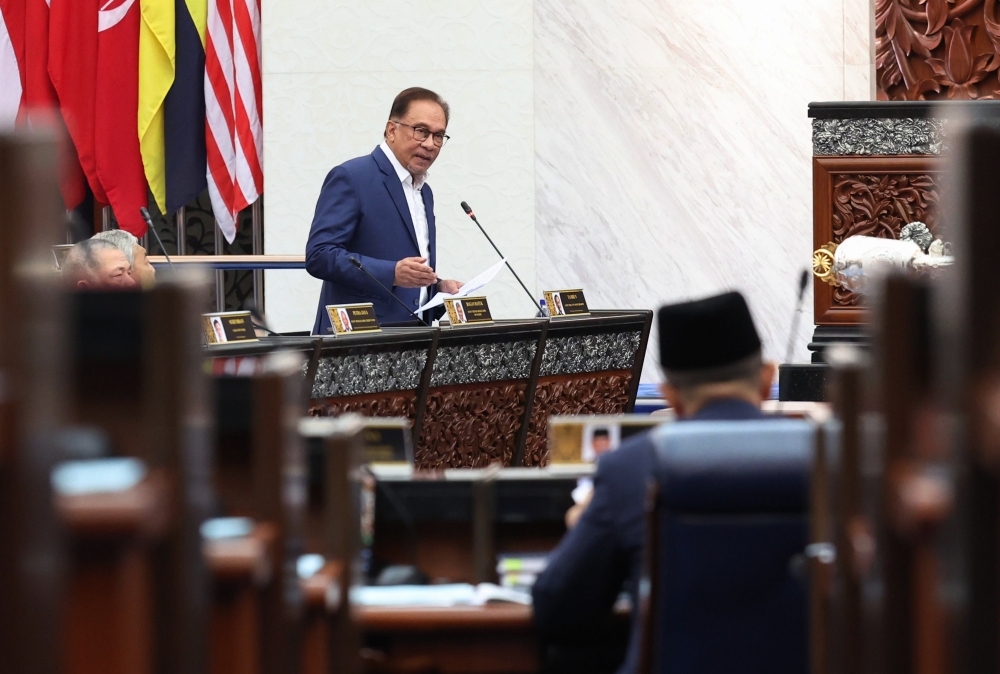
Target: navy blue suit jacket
[[362, 212], [603, 552]]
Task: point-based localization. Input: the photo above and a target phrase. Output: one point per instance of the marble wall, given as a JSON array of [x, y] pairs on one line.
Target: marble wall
[[673, 152], [331, 70], [646, 150]]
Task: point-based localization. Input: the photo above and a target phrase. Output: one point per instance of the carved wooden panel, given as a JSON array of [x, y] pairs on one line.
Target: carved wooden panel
[[388, 404], [872, 196], [471, 425], [935, 49], [588, 393]]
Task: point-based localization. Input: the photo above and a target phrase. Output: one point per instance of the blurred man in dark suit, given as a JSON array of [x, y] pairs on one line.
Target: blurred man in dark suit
[[711, 358]]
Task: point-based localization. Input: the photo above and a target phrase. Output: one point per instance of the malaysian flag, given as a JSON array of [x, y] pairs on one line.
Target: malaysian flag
[[233, 135]]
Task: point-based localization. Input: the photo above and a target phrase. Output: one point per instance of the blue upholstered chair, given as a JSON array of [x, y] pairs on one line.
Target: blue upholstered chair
[[728, 593]]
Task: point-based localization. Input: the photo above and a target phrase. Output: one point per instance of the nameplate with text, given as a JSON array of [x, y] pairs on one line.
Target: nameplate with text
[[387, 441], [468, 310], [566, 303], [350, 318], [584, 438], [228, 326]]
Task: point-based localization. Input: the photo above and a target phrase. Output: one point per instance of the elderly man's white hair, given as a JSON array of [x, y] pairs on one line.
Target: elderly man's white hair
[[122, 240]]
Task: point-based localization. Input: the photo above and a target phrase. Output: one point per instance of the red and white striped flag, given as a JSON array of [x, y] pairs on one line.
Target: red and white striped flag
[[233, 132]]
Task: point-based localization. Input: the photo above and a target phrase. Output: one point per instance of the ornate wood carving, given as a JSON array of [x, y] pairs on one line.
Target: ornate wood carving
[[589, 393], [389, 404], [471, 426], [934, 49], [872, 196]]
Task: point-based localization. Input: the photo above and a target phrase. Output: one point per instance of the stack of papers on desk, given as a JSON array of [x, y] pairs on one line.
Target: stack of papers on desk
[[437, 596]]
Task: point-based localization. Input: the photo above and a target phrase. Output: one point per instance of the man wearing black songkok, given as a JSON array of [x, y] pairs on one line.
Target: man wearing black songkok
[[711, 358]]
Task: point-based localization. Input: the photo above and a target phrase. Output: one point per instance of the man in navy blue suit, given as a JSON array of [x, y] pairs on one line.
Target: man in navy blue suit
[[711, 358], [379, 210]]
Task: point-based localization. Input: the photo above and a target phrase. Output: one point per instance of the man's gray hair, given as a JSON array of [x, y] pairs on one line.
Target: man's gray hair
[[122, 240], [81, 260], [746, 370]]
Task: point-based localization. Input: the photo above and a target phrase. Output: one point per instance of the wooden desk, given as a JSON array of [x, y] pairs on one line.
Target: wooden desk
[[492, 639]]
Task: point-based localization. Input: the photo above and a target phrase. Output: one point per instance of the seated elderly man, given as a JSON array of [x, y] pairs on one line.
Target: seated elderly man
[[711, 358], [97, 265], [142, 271]]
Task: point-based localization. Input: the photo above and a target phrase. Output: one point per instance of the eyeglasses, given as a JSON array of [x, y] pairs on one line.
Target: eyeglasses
[[420, 134]]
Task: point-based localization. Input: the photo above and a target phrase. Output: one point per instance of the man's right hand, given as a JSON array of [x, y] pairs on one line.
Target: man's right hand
[[412, 272]]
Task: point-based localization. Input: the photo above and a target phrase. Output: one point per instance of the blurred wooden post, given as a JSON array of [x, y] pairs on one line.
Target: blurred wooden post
[[914, 498], [31, 402], [343, 522], [484, 556], [821, 560], [332, 642], [852, 535], [968, 316], [137, 376], [262, 474], [178, 429], [280, 485]]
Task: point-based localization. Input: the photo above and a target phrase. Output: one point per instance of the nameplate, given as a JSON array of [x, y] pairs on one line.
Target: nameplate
[[468, 310], [228, 326], [387, 441], [566, 303], [350, 318], [584, 438], [59, 252]]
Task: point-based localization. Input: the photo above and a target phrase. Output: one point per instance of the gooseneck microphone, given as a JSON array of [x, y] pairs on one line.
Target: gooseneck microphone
[[468, 211], [357, 263], [149, 225], [803, 282]]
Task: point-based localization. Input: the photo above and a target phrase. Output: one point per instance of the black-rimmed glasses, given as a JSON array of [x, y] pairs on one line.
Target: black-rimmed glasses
[[421, 133]]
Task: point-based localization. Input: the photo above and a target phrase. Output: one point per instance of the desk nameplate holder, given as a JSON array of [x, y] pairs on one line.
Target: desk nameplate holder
[[59, 252], [575, 439], [388, 441], [566, 303], [228, 326], [468, 310], [346, 319]]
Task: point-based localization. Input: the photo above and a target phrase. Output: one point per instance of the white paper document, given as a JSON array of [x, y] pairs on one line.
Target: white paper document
[[470, 287], [438, 596]]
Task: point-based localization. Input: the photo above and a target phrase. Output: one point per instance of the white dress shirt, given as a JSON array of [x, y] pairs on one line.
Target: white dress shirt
[[415, 200]]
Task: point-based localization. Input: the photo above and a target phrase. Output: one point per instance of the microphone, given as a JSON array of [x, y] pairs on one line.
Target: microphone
[[468, 211], [149, 225], [803, 282], [357, 263]]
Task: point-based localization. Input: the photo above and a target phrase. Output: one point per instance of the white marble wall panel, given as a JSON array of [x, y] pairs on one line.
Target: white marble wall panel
[[649, 151], [673, 151], [331, 70]]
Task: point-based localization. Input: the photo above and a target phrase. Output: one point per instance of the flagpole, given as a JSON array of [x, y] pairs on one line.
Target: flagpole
[[256, 216], [181, 221], [220, 276]]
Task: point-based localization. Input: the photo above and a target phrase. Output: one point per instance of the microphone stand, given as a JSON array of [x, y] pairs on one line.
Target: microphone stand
[[357, 263], [468, 211], [149, 225]]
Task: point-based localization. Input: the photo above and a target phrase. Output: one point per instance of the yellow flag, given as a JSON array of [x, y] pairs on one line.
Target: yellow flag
[[157, 49], [199, 14]]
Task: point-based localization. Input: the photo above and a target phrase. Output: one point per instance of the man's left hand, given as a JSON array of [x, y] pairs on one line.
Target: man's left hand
[[449, 286]]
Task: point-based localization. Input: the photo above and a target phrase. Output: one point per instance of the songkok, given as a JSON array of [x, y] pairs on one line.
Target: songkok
[[706, 335]]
